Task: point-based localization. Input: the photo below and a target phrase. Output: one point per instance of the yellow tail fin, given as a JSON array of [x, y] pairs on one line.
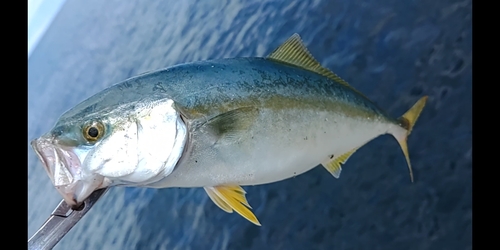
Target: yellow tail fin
[[407, 121]]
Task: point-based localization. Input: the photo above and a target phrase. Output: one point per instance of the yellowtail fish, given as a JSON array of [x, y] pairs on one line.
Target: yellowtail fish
[[218, 124]]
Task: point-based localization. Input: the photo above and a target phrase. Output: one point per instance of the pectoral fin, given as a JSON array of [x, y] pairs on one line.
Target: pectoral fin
[[230, 126], [334, 165], [230, 198]]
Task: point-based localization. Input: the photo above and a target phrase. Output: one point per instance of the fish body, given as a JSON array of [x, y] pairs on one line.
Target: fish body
[[286, 121], [218, 124]]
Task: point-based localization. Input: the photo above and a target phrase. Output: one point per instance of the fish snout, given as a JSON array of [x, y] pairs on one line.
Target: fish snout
[[64, 169]]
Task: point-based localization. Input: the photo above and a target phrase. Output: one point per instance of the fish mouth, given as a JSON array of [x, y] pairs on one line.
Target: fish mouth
[[64, 169]]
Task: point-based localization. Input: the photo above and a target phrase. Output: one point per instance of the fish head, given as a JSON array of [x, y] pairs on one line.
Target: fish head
[[131, 145]]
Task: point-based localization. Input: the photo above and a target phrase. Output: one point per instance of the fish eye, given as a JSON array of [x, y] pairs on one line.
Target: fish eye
[[93, 131]]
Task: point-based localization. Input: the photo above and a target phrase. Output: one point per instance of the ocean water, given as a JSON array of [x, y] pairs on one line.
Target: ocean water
[[392, 51]]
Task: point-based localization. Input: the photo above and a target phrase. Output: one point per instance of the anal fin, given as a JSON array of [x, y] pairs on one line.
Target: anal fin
[[229, 198], [334, 165]]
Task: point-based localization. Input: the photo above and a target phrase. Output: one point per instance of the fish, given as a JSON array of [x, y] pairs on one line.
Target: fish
[[218, 125]]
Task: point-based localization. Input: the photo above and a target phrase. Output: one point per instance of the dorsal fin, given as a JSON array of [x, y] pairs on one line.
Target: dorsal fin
[[293, 51]]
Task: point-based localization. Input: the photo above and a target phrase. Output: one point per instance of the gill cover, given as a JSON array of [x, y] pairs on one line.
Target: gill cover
[[140, 147]]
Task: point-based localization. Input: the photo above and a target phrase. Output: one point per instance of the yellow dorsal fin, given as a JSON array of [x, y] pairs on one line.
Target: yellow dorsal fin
[[334, 165], [293, 51], [230, 198]]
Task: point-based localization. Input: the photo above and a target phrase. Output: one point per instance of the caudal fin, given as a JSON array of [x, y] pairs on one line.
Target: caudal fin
[[407, 121]]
